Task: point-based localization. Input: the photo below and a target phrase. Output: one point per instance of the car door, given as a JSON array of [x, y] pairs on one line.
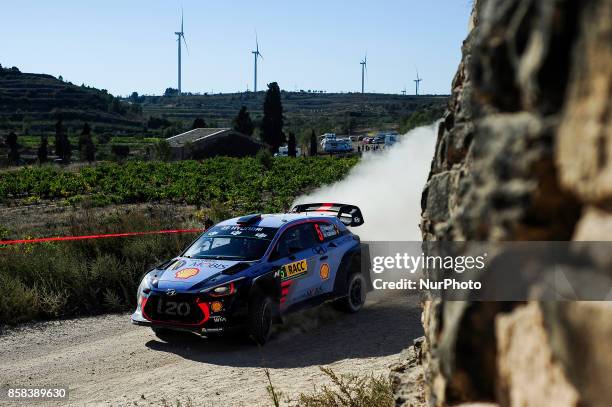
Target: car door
[[330, 254], [297, 262]]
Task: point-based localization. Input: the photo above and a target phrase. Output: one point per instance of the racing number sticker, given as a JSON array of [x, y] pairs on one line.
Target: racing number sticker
[[295, 269], [187, 273], [324, 271]]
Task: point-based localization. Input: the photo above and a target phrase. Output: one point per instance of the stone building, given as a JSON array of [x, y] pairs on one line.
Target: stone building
[[212, 142]]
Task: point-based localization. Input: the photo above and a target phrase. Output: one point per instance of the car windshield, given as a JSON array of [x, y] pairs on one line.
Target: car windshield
[[232, 243]]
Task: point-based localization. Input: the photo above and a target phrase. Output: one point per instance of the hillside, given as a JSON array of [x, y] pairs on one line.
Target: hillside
[[31, 103], [340, 112]]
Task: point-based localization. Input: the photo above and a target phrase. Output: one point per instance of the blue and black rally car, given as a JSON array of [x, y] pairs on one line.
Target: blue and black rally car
[[253, 270]]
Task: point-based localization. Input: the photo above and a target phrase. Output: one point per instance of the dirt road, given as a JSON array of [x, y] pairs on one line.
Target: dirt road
[[107, 361]]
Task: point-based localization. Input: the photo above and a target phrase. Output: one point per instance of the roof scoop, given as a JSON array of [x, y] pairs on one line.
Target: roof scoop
[[249, 219]]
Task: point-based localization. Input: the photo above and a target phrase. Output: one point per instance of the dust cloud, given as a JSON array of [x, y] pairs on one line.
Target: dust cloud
[[386, 186]]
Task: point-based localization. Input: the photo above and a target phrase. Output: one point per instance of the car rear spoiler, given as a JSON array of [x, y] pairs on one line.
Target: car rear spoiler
[[350, 215]]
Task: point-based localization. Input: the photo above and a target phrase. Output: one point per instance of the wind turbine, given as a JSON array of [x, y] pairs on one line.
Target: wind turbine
[[257, 54], [364, 67], [416, 82], [179, 35]]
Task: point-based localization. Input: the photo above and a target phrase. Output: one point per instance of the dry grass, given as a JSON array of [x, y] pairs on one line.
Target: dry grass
[[347, 390], [49, 280]]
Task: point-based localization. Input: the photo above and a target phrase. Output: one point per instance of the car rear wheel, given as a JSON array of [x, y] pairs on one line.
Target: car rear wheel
[[355, 295], [260, 320]]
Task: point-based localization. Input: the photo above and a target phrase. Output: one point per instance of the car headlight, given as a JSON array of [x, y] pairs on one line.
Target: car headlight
[[223, 290]]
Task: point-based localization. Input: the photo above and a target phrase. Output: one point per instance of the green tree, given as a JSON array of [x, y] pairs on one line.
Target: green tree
[[115, 106], [163, 150], [88, 152], [86, 131], [198, 123], [313, 144], [63, 149], [291, 150], [272, 122], [171, 92], [120, 151], [87, 148], [11, 142], [243, 122], [104, 138], [264, 158], [43, 149], [135, 108], [26, 126]]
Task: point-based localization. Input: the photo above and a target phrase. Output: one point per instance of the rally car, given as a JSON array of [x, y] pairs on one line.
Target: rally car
[[253, 270]]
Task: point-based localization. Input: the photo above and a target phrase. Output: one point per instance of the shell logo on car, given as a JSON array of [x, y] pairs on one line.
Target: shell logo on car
[[324, 271], [187, 273]]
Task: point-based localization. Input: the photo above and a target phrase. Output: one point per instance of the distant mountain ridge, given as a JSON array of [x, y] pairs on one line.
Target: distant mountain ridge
[[32, 103], [316, 110]]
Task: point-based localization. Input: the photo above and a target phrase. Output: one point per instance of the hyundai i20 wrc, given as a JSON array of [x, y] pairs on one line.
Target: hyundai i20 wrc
[[253, 270]]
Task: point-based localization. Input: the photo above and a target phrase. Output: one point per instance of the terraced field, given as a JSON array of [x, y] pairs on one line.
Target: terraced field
[[323, 112], [31, 103]]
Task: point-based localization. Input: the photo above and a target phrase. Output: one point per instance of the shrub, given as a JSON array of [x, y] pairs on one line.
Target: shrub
[[48, 280], [350, 391]]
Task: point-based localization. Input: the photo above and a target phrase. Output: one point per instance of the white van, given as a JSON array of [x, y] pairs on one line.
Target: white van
[[283, 151]]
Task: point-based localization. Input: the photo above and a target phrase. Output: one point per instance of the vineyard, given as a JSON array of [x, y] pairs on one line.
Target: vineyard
[[243, 185], [58, 279]]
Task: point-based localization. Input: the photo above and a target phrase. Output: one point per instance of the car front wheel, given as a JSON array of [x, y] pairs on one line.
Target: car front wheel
[[260, 320]]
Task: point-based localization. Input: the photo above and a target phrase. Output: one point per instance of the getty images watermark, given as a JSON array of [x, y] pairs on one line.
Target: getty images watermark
[[492, 271], [415, 265]]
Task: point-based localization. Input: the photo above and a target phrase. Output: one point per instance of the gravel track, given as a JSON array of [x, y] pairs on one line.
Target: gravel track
[[107, 361]]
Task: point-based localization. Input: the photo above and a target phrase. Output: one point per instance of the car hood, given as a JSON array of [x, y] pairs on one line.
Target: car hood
[[185, 272]]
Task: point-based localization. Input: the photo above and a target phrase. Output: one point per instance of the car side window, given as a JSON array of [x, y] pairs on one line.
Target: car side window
[[295, 239], [326, 231]]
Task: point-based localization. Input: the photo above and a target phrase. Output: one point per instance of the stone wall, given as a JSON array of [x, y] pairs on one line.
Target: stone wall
[[524, 153]]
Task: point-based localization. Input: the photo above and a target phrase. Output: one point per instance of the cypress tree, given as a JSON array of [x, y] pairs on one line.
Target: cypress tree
[[243, 122], [43, 149], [198, 123], [63, 149], [292, 151], [313, 144], [13, 155], [272, 122], [87, 148]]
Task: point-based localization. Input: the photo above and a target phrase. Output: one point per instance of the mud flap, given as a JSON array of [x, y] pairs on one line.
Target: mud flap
[[366, 269]]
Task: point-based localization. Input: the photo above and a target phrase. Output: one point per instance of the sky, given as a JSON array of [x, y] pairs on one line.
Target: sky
[[130, 45]]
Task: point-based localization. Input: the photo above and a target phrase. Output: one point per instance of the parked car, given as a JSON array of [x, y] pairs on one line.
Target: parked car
[[380, 139], [337, 145], [283, 151], [253, 270]]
